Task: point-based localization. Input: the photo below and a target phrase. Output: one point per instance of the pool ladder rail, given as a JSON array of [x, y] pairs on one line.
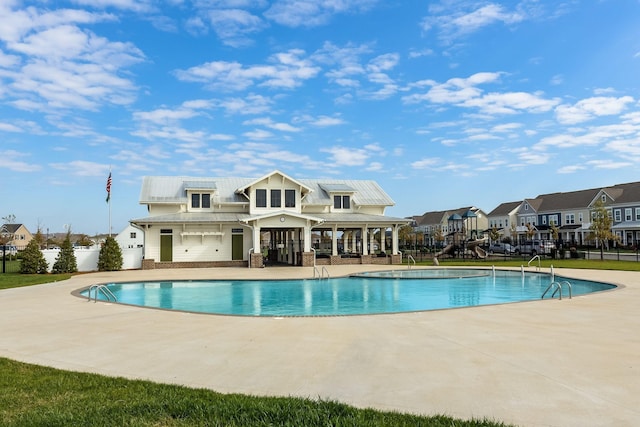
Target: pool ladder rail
[[96, 289], [558, 289], [410, 259], [317, 274]]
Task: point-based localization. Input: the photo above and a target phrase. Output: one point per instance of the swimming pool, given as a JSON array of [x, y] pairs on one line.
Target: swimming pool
[[367, 293]]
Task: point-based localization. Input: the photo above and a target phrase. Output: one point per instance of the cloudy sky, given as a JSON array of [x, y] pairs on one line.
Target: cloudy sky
[[445, 103]]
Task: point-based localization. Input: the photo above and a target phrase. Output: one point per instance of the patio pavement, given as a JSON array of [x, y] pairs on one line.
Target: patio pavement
[[543, 363]]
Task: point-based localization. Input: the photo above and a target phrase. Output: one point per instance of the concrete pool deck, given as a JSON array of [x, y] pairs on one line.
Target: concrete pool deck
[[542, 363]]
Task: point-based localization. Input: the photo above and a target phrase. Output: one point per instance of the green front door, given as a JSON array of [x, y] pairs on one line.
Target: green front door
[[166, 247], [236, 246]]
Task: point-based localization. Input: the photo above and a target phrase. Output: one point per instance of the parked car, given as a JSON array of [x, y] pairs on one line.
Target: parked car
[[501, 248], [536, 247], [9, 250]]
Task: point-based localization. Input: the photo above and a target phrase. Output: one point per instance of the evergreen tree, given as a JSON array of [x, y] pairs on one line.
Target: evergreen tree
[[110, 258], [66, 260], [33, 261]]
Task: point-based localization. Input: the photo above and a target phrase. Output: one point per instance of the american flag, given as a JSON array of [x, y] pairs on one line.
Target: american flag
[[109, 188]]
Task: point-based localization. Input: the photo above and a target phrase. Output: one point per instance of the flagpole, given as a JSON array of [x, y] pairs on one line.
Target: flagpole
[[109, 198]]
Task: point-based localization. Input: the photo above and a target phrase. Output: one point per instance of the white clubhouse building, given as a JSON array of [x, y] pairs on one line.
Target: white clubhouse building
[[274, 219]]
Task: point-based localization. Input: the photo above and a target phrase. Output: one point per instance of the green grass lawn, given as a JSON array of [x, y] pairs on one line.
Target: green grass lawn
[[16, 280], [39, 396]]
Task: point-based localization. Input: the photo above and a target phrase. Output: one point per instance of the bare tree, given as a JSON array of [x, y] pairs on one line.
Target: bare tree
[[601, 226]]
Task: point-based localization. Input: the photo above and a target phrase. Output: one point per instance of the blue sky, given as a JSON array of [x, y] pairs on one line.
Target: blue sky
[[445, 103]]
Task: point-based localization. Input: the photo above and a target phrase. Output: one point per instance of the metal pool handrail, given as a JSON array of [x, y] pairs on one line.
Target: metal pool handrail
[[105, 291], [409, 260], [558, 289], [531, 260]]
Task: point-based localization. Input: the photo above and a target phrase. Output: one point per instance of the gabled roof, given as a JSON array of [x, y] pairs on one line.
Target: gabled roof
[[561, 201], [173, 190], [242, 189], [365, 192], [504, 208], [438, 217], [10, 228]]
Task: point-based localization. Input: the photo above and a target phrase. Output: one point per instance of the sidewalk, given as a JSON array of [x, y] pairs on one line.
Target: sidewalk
[[543, 363]]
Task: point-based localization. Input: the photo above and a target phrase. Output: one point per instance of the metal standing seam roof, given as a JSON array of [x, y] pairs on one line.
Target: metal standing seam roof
[[168, 189]]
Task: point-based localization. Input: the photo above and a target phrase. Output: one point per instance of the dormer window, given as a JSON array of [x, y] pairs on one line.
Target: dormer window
[[341, 202], [289, 198], [276, 198], [201, 200], [261, 198]]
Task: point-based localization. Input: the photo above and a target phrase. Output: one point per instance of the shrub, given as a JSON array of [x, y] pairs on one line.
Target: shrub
[[66, 259], [33, 261], [110, 258]]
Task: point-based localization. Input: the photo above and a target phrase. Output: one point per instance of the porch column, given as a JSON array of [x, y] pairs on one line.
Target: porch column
[[256, 240], [354, 242], [365, 240], [307, 237], [394, 239], [383, 238], [334, 240]]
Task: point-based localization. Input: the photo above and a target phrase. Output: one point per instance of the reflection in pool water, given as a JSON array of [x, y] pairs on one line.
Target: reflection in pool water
[[368, 293]]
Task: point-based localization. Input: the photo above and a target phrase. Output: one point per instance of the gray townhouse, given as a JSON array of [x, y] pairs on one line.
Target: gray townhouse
[[570, 212]]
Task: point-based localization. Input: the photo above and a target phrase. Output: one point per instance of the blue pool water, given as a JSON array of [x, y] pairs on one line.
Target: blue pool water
[[368, 293]]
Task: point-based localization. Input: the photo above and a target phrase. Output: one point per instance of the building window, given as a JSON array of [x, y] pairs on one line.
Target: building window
[[289, 198], [132, 235], [618, 215], [580, 217], [341, 202], [570, 219], [201, 200], [627, 214], [261, 198], [276, 198], [603, 198], [637, 214]]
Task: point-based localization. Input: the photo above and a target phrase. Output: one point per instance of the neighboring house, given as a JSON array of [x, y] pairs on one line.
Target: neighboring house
[[504, 218], [16, 235], [130, 237], [471, 221], [240, 221], [570, 213]]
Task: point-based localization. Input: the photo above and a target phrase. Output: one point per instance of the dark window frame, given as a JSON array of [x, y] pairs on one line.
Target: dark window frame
[[261, 198], [276, 198], [289, 198]]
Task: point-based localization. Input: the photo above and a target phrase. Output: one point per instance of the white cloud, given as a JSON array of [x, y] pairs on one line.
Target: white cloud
[[11, 160], [453, 20], [347, 156], [464, 92], [312, 13], [283, 70], [233, 25], [269, 123], [258, 134], [425, 163], [590, 108]]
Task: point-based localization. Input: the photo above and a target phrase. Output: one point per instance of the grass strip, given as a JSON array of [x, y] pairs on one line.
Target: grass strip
[[33, 395]]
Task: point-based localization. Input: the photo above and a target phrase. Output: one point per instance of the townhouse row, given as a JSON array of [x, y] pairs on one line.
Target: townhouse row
[[569, 212]]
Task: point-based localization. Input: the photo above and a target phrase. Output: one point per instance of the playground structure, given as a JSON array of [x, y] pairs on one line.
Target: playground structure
[[470, 248], [457, 244]]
